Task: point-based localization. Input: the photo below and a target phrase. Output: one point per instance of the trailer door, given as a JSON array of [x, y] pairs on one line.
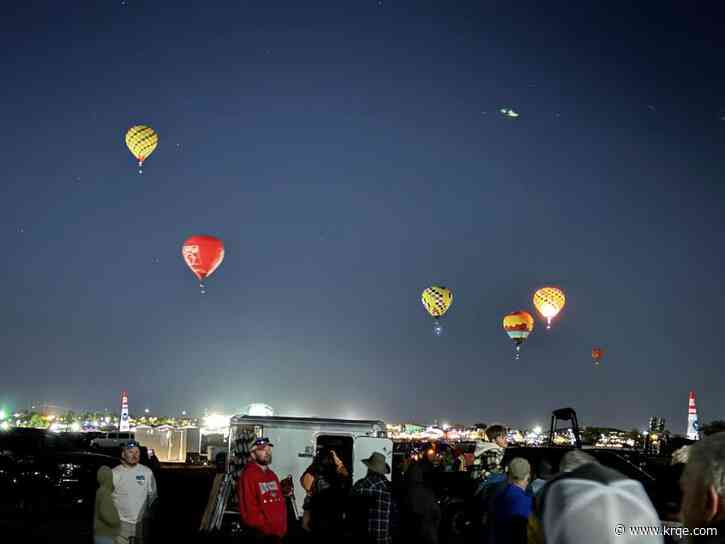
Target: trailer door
[[365, 446]]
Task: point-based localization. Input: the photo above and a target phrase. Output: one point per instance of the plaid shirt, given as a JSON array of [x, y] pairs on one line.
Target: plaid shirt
[[377, 488]]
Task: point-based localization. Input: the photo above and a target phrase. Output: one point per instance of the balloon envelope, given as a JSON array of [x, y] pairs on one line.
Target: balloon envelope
[[549, 301], [597, 354], [437, 300], [518, 325], [203, 255], [141, 141]]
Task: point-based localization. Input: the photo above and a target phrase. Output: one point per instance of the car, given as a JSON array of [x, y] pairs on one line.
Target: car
[[112, 440], [46, 486]]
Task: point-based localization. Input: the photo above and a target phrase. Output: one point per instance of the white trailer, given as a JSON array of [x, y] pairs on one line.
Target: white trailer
[[170, 444], [297, 439]]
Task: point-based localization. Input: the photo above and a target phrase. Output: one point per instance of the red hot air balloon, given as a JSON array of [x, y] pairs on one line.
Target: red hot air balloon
[[203, 255], [597, 354]]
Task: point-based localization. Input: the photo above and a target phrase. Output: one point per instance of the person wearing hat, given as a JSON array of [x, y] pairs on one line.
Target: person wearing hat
[[374, 493], [512, 506], [134, 489], [262, 505], [597, 505]]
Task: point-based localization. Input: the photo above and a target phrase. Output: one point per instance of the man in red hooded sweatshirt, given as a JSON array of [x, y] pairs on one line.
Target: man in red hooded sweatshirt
[[261, 502]]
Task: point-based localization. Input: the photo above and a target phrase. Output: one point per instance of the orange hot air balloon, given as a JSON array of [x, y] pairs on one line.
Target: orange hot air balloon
[[518, 325], [549, 301], [203, 255], [597, 354]]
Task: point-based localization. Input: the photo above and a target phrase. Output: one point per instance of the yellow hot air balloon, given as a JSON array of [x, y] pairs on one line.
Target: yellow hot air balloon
[[437, 300], [549, 301], [518, 325], [141, 142]]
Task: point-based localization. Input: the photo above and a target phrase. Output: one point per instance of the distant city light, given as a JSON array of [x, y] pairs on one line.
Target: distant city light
[[3, 415], [5, 425], [216, 424], [146, 410], [538, 429], [259, 409], [183, 412]]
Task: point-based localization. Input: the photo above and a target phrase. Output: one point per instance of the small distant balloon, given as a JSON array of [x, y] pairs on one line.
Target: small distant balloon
[[597, 354], [437, 300], [203, 254], [549, 301], [141, 142], [518, 325]]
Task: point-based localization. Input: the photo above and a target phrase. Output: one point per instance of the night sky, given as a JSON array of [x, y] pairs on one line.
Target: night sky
[[350, 154]]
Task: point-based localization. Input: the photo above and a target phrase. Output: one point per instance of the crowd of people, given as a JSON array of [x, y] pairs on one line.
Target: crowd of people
[[582, 501]]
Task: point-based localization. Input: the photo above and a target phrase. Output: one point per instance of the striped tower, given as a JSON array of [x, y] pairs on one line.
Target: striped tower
[[693, 426], [123, 425]]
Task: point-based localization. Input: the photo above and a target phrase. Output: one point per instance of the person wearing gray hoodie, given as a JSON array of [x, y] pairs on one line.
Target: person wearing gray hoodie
[[107, 523]]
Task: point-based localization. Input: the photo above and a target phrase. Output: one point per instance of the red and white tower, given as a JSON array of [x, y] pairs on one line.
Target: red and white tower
[[124, 425], [693, 426]]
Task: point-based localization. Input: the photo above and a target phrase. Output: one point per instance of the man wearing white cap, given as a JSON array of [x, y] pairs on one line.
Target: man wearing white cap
[[598, 505]]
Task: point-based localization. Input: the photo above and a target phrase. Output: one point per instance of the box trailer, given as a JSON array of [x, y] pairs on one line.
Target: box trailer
[[170, 444], [296, 441]]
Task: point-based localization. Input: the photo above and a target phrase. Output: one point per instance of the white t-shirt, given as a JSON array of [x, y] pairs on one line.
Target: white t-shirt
[[134, 489]]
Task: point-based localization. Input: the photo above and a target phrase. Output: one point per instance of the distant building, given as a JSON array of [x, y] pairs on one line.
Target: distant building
[[693, 425], [656, 425], [46, 410], [124, 424]]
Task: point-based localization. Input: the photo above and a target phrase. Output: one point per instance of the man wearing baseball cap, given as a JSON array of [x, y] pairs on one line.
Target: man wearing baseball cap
[[134, 491], [262, 505]]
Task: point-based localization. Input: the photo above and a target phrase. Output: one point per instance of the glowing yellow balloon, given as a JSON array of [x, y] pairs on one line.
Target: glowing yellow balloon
[[141, 142], [549, 301], [437, 300]]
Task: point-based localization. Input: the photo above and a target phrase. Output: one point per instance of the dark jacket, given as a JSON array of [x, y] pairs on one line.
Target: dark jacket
[[106, 522], [421, 515]]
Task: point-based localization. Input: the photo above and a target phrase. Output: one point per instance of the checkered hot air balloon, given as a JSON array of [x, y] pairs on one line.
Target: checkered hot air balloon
[[549, 301], [436, 300], [141, 142], [518, 325]]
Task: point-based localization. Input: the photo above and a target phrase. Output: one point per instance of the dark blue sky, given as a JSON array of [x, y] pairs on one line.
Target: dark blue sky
[[350, 154]]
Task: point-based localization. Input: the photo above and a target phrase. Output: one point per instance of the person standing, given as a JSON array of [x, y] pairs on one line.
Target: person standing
[[703, 490], [134, 489], [512, 507], [421, 513], [107, 523], [262, 506], [374, 493], [326, 484]]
